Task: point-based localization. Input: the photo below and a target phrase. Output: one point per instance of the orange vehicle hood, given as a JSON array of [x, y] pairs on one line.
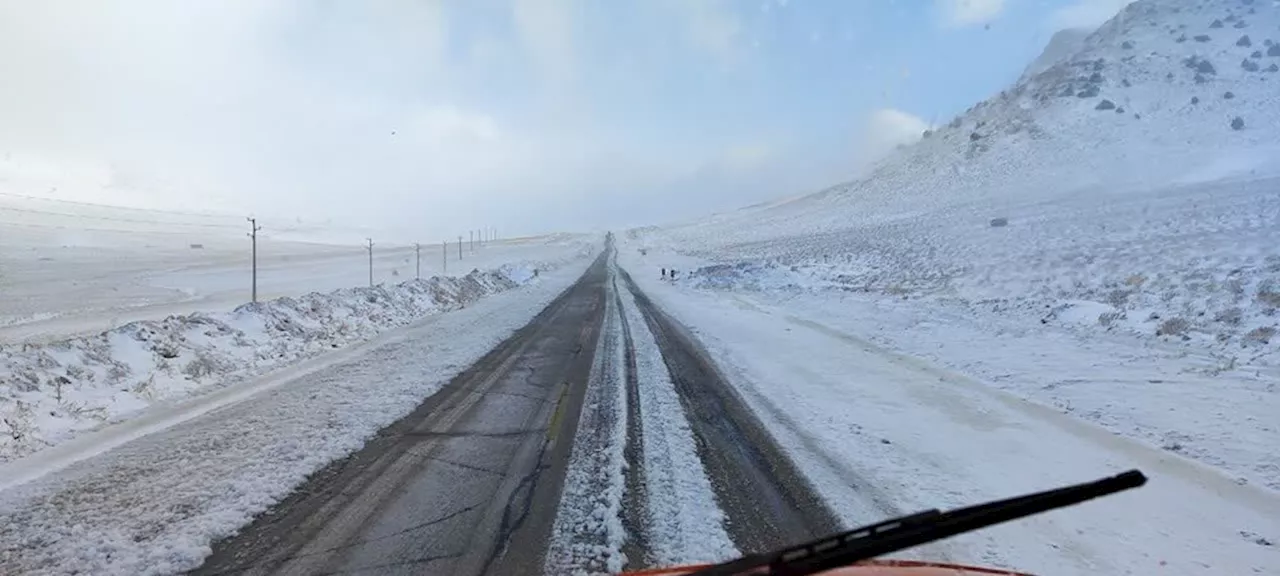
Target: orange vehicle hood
[[868, 568]]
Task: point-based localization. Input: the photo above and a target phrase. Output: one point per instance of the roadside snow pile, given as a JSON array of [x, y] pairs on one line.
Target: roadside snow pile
[[50, 393]]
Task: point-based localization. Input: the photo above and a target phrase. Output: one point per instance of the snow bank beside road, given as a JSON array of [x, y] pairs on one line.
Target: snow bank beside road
[[50, 393], [882, 433], [155, 505]]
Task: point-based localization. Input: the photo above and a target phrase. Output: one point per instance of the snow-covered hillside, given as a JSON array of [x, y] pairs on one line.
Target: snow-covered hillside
[[1133, 190], [1136, 108], [1063, 45], [1113, 194]]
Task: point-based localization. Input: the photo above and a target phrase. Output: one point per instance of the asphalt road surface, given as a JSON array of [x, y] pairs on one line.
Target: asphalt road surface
[[470, 482]]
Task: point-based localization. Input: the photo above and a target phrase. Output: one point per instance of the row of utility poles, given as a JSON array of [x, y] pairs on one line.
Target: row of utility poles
[[475, 237]]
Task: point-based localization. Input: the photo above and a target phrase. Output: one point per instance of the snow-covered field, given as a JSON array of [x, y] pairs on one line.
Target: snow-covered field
[[156, 504], [70, 269], [54, 391], [883, 433], [107, 311]]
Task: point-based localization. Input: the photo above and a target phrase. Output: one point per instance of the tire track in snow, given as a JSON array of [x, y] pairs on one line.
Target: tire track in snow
[[635, 508], [588, 534], [768, 502], [684, 522]]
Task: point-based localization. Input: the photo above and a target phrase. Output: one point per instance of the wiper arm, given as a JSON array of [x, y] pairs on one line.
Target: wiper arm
[[887, 537]]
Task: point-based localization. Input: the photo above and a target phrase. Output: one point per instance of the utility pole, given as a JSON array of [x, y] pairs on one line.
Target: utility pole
[[370, 249], [459, 247], [253, 236], [417, 255], [445, 267]]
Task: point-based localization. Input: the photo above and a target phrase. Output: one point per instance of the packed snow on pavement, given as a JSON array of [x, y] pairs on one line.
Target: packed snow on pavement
[[681, 523], [156, 504]]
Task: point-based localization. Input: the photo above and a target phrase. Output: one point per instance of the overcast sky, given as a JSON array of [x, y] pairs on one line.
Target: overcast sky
[[528, 115]]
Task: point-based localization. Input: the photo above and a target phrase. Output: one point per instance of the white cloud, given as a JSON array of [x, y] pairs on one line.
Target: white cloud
[[713, 26], [547, 29], [353, 117], [747, 156], [885, 130], [1088, 14], [959, 13], [395, 113]]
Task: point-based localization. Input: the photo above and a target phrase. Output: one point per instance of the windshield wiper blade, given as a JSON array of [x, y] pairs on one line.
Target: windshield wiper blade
[[921, 528]]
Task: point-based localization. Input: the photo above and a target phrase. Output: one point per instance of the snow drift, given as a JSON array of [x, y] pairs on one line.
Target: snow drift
[[50, 393]]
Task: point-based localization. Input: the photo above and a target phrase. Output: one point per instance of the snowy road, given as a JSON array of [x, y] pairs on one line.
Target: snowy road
[[610, 421], [769, 502], [590, 396], [466, 484]]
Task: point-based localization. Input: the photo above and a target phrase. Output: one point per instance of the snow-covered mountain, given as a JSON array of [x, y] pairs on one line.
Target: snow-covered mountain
[[1062, 45], [1139, 170], [1167, 92]]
